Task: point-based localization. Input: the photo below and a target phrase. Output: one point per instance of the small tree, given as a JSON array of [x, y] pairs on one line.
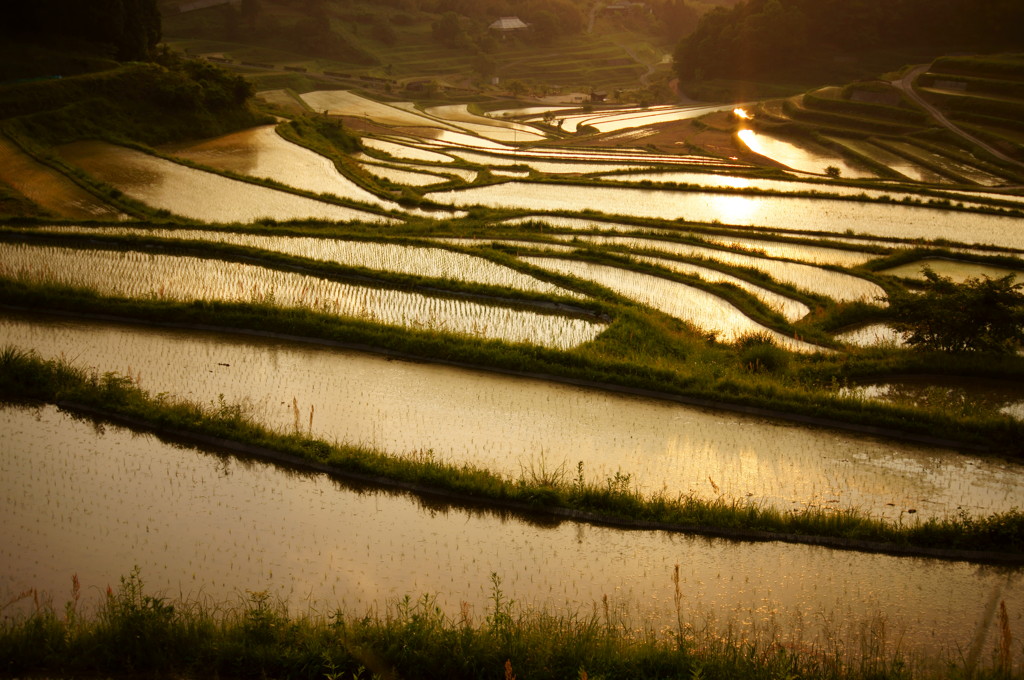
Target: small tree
[[979, 315]]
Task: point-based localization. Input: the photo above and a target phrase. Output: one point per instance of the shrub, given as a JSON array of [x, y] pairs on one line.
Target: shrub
[[979, 315]]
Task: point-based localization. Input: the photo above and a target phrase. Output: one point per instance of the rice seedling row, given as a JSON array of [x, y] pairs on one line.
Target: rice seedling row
[[164, 277]]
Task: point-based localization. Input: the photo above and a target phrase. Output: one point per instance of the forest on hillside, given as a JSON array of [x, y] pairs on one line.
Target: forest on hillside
[[764, 38]]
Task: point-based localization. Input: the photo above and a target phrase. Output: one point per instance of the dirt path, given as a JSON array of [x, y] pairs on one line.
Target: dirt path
[[906, 85]]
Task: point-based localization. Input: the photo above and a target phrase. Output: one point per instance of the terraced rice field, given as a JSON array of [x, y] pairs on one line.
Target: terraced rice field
[[706, 311], [402, 259], [164, 507], [832, 284], [205, 525], [144, 275]]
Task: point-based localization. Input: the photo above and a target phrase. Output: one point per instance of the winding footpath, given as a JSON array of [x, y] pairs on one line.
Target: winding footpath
[[906, 85]]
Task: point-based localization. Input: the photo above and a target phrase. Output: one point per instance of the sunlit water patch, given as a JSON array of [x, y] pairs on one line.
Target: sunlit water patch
[[797, 156], [950, 393], [492, 128], [792, 251], [261, 152], [916, 172], [214, 527], [406, 151], [957, 270], [345, 103], [788, 307], [772, 212], [433, 262], [512, 425], [944, 162], [704, 310], [196, 194], [406, 177], [872, 335], [149, 276], [836, 285], [49, 189]]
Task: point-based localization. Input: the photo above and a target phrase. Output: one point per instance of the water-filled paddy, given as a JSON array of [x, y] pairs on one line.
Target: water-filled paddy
[[836, 285], [802, 157], [706, 311], [261, 152], [406, 151], [957, 270], [212, 527], [151, 276], [953, 393], [788, 307], [390, 257], [773, 212], [511, 424], [916, 172], [498, 130], [48, 188], [196, 194]]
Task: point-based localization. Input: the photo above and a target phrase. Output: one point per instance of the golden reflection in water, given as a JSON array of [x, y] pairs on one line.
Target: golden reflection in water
[[507, 424], [94, 500], [735, 209]]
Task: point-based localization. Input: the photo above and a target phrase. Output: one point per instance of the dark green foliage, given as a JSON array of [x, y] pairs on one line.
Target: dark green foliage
[[145, 102], [757, 38], [126, 29], [979, 315], [760, 354]]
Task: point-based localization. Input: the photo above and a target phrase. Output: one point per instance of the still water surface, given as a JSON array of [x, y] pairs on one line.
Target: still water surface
[[511, 425], [196, 194], [771, 212], [97, 500]]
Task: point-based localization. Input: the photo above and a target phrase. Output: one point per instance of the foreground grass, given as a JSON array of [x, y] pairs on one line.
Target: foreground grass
[[23, 375], [134, 634]]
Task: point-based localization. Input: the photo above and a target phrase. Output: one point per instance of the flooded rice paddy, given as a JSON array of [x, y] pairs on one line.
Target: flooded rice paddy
[[389, 257], [412, 153], [512, 425], [261, 152], [51, 190], [800, 157], [707, 311], [957, 270], [210, 527], [952, 393], [142, 275], [774, 212], [196, 194], [788, 307], [836, 285]]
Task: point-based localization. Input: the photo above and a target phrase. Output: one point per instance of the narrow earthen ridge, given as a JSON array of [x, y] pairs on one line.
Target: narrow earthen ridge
[[527, 509]]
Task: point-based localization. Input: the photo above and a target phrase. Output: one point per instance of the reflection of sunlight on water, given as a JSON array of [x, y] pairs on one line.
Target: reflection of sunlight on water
[[734, 209], [796, 157]]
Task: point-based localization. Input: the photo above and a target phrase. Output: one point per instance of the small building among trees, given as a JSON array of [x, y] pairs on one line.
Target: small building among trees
[[506, 25]]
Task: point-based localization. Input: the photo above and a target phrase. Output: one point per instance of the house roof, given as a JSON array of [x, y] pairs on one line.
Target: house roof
[[508, 24]]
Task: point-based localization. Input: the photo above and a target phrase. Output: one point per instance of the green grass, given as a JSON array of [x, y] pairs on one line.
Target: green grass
[[137, 633]]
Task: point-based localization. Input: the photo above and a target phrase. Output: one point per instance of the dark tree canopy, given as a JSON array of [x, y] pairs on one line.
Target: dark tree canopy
[[766, 37], [982, 315], [127, 29]]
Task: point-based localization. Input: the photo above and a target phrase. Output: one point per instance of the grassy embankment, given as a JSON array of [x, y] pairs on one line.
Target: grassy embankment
[[135, 633]]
